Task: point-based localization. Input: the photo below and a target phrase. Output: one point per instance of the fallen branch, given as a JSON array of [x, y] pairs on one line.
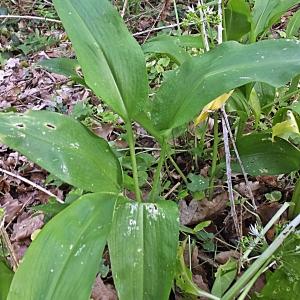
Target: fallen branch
[[31, 183], [29, 18]]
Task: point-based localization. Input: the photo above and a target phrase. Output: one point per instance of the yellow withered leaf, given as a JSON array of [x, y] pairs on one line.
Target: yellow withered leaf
[[286, 128], [212, 106]]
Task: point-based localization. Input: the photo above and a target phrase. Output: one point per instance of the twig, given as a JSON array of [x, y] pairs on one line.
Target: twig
[[203, 27], [172, 190], [220, 25], [8, 245], [124, 8], [176, 15], [239, 158], [228, 175], [29, 18], [156, 20], [32, 184]]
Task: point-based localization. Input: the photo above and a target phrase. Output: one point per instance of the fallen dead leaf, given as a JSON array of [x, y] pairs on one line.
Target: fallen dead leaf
[[25, 228], [224, 256], [11, 206], [103, 291], [197, 211]]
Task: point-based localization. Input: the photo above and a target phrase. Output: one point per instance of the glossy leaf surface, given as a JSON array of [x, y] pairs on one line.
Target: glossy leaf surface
[[267, 12], [6, 276], [112, 62], [225, 276], [148, 233], [237, 16], [64, 66], [62, 262], [64, 147], [261, 156], [201, 79], [284, 282], [293, 25], [168, 45]]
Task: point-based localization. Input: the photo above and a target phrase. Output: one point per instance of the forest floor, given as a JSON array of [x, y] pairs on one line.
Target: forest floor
[[24, 85]]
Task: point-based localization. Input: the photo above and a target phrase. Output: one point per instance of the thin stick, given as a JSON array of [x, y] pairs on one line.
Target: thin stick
[[203, 28], [239, 158], [228, 175], [32, 184], [172, 190], [220, 25], [8, 245], [156, 20], [178, 170], [176, 15], [29, 18], [124, 8]]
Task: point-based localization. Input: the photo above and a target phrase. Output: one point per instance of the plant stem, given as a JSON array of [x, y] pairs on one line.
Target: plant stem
[[131, 143], [215, 155], [177, 17], [178, 169], [220, 25], [156, 186], [282, 209], [229, 181], [260, 262], [203, 27], [252, 281]]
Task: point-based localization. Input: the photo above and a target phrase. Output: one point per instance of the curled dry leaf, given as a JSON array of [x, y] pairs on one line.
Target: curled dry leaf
[[103, 291], [224, 256], [243, 189], [198, 280], [11, 206], [197, 211], [25, 228]]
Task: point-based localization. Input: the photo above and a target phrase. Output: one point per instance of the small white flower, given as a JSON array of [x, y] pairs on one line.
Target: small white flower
[[191, 9], [209, 10], [253, 230]]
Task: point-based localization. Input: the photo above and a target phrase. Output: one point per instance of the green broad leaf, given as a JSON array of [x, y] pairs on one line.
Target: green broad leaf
[[148, 233], [190, 41], [266, 13], [6, 276], [201, 226], [201, 79], [112, 61], [266, 96], [169, 45], [294, 209], [64, 147], [261, 156], [183, 277], [293, 25], [62, 262], [237, 16], [255, 106], [296, 107], [284, 282], [225, 276], [197, 183], [63, 66]]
